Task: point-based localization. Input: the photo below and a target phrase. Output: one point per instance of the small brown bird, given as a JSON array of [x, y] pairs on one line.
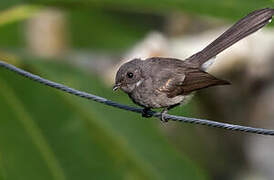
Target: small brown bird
[[167, 82]]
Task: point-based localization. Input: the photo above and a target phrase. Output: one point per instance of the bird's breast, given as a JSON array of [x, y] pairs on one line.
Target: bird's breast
[[153, 98]]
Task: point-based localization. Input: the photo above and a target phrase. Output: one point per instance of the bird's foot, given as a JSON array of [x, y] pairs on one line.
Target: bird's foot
[[145, 113], [164, 112]]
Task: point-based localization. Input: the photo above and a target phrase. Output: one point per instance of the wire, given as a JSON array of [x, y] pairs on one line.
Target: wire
[[102, 100]]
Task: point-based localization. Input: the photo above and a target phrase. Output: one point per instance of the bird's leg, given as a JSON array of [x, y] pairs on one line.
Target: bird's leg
[[164, 111], [145, 113]]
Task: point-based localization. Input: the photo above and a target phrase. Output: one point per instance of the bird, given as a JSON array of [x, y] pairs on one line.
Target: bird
[[160, 82]]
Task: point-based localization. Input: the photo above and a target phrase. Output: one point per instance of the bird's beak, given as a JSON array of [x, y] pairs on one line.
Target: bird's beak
[[116, 86]]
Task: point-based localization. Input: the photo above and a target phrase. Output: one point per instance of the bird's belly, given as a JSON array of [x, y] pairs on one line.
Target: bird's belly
[[155, 100], [164, 101]]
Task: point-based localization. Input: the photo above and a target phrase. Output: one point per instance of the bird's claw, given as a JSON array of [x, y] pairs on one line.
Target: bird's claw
[[163, 116], [163, 120], [145, 113]]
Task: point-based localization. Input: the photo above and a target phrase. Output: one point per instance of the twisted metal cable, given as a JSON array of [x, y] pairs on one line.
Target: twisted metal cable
[[85, 95]]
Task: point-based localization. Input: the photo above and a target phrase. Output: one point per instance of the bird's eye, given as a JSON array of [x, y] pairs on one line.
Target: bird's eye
[[130, 75]]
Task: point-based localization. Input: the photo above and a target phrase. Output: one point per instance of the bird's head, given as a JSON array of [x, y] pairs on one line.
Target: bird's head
[[129, 76]]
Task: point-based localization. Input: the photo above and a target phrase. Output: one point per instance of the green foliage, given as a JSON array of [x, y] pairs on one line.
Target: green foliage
[[10, 35], [99, 29], [11, 24], [230, 9], [117, 25], [47, 134]]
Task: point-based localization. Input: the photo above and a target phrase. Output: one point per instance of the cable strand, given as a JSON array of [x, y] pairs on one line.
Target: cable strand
[[102, 100]]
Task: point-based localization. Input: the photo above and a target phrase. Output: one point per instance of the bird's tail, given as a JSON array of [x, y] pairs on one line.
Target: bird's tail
[[244, 27]]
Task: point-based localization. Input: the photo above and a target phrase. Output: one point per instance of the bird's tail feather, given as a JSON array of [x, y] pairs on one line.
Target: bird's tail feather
[[244, 27]]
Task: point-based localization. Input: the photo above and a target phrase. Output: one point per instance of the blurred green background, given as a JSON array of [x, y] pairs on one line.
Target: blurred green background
[[47, 134]]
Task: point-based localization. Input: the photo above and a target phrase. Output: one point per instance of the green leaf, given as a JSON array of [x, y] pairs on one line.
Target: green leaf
[[17, 13], [230, 9], [117, 25], [99, 29], [11, 34], [48, 134], [14, 118]]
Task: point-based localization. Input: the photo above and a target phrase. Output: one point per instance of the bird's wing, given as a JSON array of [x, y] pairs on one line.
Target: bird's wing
[[171, 82], [175, 77], [165, 73], [187, 82]]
